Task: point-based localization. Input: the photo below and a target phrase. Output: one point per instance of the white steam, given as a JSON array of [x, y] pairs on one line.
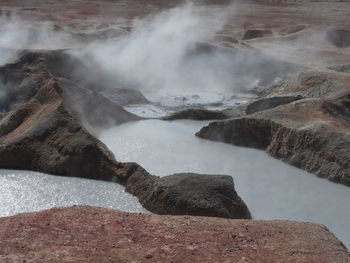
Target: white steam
[[165, 55], [169, 53]]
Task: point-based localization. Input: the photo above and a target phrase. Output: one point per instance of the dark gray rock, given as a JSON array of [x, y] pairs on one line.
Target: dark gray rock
[[339, 37], [310, 84], [341, 68], [188, 194], [256, 33], [312, 134], [244, 131], [43, 135], [293, 29], [270, 102], [22, 79], [339, 108], [197, 114]]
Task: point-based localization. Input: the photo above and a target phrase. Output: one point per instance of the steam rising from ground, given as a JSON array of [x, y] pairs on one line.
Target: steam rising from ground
[[17, 33], [155, 56], [169, 53]]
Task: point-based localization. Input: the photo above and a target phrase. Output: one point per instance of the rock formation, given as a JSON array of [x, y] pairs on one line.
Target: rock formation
[[339, 37], [39, 131], [312, 134], [256, 33], [197, 114], [86, 234], [188, 194], [35, 70]]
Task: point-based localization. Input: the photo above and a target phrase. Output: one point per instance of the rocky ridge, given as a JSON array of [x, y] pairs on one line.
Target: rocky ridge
[[311, 133]]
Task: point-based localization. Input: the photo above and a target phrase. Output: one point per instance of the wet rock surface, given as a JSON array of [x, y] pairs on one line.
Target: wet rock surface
[[87, 234], [189, 194]]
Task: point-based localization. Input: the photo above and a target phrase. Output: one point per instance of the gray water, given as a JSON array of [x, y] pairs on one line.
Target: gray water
[[271, 188], [23, 191]]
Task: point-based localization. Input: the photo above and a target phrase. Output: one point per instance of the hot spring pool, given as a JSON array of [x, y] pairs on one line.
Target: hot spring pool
[[23, 191], [271, 188]]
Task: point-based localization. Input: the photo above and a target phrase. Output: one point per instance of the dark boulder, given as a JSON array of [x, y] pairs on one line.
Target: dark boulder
[[247, 132], [197, 114], [256, 33], [188, 194], [339, 37]]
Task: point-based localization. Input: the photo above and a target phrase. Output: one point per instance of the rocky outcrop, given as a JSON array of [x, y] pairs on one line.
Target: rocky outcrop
[[339, 108], [256, 33], [34, 70], [188, 194], [293, 29], [38, 130], [269, 103], [310, 84], [87, 234], [43, 135], [345, 68], [197, 114], [339, 37], [93, 108], [312, 134]]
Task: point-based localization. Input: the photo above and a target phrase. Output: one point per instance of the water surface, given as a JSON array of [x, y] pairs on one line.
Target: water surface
[[271, 188], [23, 191]]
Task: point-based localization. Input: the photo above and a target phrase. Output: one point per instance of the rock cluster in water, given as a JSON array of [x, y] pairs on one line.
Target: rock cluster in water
[[42, 129]]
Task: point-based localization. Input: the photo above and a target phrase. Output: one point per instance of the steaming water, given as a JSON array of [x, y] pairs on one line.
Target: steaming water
[[271, 188], [23, 191]]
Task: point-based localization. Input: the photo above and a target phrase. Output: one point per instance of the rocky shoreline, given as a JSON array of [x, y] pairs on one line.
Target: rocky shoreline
[[312, 133], [45, 125]]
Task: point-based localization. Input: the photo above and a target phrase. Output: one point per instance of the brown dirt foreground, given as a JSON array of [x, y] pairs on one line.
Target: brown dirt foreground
[[88, 234]]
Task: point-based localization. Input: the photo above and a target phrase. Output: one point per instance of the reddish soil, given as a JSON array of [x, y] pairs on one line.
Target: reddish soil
[[86, 234]]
